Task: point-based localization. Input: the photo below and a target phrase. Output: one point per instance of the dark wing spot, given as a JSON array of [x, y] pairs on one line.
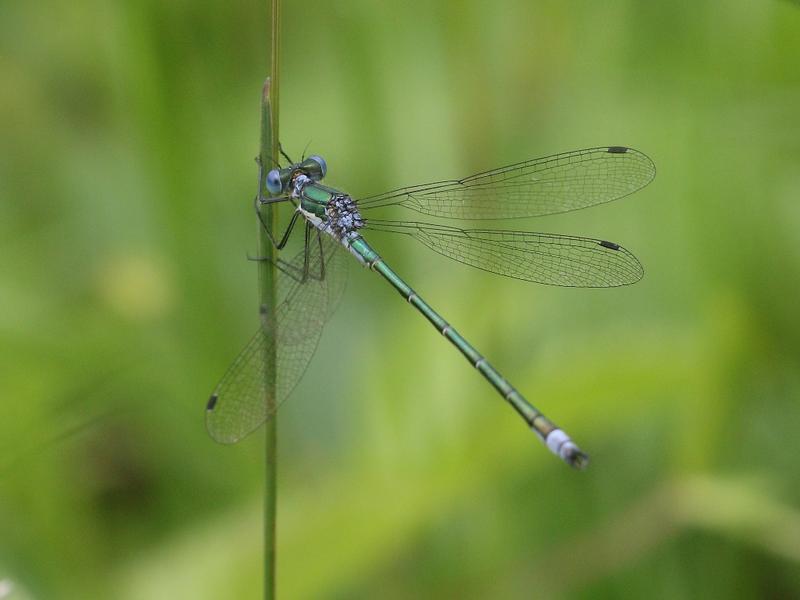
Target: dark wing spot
[[212, 402], [617, 149], [609, 245]]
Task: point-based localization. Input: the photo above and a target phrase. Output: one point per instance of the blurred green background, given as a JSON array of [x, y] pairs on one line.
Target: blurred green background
[[127, 136]]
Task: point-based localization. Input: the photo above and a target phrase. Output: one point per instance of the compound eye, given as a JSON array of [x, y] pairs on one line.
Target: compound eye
[[274, 184], [323, 166]]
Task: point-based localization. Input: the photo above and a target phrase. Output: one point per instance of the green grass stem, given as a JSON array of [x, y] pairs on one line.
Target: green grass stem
[[268, 154]]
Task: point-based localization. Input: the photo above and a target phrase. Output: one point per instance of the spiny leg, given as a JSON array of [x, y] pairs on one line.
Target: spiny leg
[[285, 267], [284, 155], [299, 274], [306, 246], [322, 258], [285, 238]]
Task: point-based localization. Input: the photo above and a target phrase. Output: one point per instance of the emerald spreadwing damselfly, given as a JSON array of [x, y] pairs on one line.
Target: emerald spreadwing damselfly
[[310, 284]]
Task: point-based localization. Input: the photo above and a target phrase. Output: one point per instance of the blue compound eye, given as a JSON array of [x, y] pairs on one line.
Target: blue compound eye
[[323, 166], [274, 184]]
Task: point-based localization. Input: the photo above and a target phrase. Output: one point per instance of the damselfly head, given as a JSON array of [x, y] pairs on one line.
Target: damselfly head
[[280, 180]]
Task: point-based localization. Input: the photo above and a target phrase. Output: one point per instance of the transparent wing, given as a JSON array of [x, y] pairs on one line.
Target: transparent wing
[[546, 258], [542, 186], [243, 399], [337, 264]]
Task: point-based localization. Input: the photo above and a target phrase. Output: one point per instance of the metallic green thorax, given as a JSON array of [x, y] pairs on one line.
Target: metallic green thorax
[[315, 197]]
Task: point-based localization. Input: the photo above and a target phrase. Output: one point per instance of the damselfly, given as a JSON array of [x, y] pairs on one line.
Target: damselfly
[[311, 283]]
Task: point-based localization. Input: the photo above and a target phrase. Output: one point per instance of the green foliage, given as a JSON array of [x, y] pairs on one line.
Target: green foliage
[[126, 182]]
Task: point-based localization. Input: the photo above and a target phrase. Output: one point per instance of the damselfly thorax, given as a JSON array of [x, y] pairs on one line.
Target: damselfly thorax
[[328, 209]]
